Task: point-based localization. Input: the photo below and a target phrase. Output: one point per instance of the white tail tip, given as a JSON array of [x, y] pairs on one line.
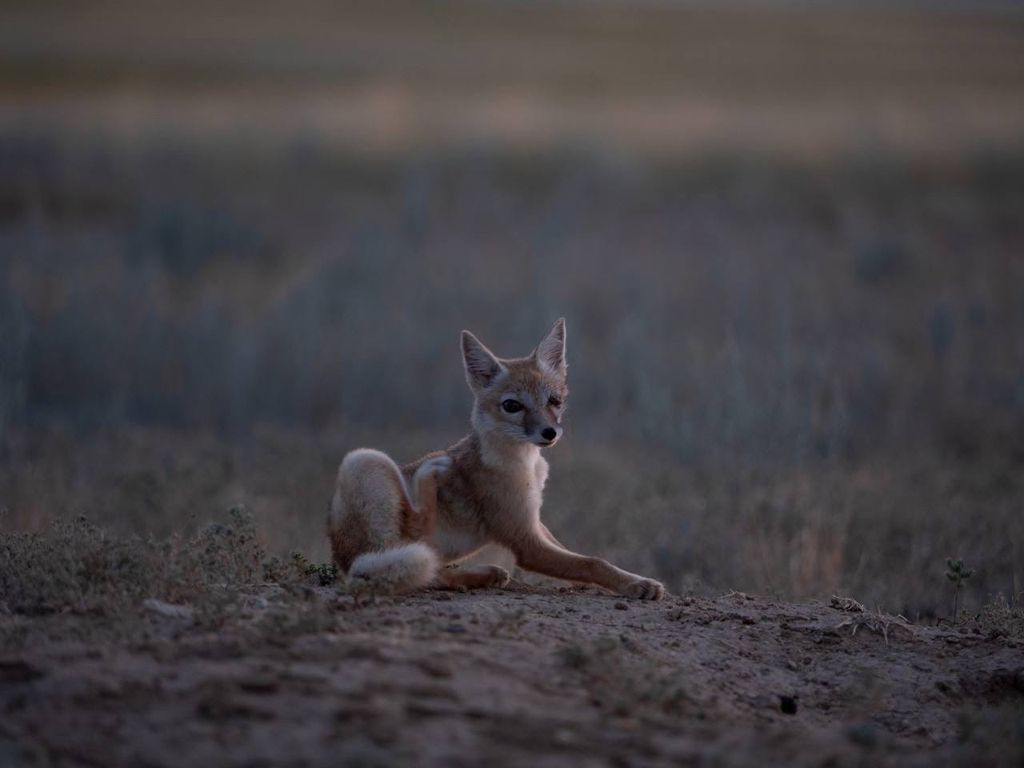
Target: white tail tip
[[393, 571]]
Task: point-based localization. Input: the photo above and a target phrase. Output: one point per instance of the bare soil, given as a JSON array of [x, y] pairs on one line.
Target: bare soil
[[529, 675]]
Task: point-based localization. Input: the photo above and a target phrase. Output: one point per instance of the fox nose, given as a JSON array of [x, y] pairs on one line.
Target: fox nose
[[548, 433]]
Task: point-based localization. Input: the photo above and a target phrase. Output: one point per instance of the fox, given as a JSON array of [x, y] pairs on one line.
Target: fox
[[396, 529]]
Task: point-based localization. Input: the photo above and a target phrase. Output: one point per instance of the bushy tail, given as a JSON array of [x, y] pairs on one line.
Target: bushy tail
[[400, 569]]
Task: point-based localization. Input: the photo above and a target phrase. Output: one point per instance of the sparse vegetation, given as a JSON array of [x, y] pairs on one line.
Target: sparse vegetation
[[325, 574], [958, 573], [79, 567], [1004, 618], [800, 532]]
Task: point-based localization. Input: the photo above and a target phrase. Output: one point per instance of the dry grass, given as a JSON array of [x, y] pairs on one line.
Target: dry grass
[[75, 580], [877, 531], [790, 270], [877, 622], [1002, 617], [76, 566]]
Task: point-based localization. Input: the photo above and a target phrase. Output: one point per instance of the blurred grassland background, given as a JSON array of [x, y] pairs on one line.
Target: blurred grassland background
[[237, 240]]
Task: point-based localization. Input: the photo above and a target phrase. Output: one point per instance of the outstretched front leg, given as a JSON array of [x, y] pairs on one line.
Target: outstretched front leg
[[537, 553]]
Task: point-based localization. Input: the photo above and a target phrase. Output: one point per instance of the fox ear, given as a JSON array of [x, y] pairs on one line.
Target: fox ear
[[550, 353], [482, 367]]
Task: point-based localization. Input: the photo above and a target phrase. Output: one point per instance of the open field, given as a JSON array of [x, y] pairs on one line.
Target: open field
[[238, 240], [878, 530], [823, 368]]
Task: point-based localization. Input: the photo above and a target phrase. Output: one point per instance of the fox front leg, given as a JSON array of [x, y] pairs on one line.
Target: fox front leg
[[537, 554]]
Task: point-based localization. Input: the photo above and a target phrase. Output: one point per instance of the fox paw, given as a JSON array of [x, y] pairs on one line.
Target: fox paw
[[498, 576], [645, 589], [437, 466], [474, 577]]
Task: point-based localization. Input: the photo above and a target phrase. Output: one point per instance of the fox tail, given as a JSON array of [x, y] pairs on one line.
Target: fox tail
[[404, 568]]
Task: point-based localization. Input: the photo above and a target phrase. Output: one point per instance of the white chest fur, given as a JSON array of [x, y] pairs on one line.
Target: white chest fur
[[522, 472], [510, 487]]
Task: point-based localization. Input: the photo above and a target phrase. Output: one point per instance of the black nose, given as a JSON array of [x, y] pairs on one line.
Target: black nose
[[548, 433]]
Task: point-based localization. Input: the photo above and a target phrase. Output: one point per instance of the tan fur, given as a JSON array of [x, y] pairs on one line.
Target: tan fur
[[486, 488], [375, 509], [474, 577]]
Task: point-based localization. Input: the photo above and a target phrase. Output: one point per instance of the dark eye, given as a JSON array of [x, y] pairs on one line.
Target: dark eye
[[554, 402], [511, 406]]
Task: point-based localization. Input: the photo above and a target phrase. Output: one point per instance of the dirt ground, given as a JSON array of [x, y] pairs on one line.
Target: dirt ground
[[529, 675]]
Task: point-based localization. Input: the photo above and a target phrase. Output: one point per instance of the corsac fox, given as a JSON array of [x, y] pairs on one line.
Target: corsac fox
[[393, 529]]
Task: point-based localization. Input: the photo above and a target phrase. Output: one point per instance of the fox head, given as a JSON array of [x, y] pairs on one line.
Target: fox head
[[520, 399]]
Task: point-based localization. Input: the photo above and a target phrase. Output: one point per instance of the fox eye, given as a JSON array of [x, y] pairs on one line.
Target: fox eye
[[554, 402], [511, 406]]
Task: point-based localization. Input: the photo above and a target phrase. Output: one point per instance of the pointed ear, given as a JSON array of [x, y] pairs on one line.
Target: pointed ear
[[482, 367], [550, 353]]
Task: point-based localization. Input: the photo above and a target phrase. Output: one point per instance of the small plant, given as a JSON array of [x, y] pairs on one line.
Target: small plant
[[1003, 617], [324, 573], [957, 573]]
